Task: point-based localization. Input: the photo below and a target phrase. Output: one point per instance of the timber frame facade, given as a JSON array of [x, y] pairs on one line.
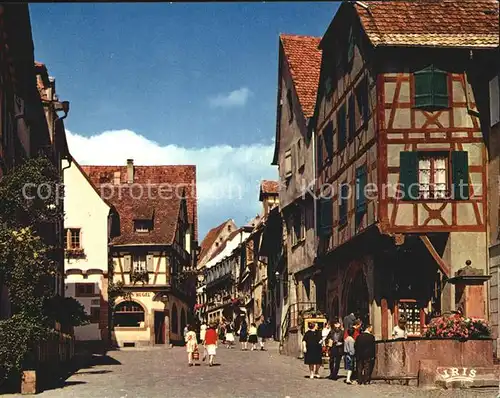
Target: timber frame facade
[[401, 187]]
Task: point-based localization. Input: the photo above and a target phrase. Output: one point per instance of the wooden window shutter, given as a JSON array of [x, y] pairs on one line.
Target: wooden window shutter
[[325, 217], [344, 191], [460, 175], [423, 87], [328, 134], [431, 88], [341, 123], [352, 117], [127, 263], [150, 263], [440, 88], [408, 175], [319, 154], [361, 181]]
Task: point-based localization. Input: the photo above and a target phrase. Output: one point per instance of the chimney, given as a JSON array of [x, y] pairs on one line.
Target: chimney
[[130, 171]]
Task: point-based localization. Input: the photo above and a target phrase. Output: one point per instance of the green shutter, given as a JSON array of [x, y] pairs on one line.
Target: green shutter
[[326, 217], [408, 175], [361, 181], [319, 155], [341, 123], [344, 191], [460, 175], [431, 88], [352, 117], [423, 88], [328, 134], [440, 88]]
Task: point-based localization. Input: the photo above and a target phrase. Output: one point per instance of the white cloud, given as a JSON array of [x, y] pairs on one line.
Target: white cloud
[[233, 99], [227, 177]]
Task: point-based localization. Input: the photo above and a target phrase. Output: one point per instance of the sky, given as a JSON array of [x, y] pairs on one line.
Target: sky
[[181, 83]]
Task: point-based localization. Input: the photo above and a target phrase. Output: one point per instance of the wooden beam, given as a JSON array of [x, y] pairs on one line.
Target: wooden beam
[[445, 268]]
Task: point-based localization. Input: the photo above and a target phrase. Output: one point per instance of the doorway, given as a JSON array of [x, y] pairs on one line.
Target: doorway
[[356, 299], [159, 327]]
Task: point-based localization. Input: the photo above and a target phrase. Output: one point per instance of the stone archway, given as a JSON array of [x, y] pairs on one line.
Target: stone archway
[[356, 296]]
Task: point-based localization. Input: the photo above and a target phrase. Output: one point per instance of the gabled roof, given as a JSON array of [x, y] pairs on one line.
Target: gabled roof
[[268, 187], [210, 239], [166, 178], [431, 23], [304, 61], [164, 211]]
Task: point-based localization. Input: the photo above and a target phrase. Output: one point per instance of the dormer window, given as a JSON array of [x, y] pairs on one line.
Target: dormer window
[[143, 226]]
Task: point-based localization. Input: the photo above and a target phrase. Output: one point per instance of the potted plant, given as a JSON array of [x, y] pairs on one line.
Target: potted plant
[[139, 276], [456, 326]]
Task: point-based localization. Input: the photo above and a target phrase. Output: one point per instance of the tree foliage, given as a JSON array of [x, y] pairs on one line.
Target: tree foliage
[[29, 197]]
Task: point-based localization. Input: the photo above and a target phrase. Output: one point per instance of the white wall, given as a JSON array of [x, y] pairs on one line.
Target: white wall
[[84, 209]]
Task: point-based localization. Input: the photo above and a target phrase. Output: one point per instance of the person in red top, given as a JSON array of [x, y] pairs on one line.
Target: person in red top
[[357, 330], [211, 344]]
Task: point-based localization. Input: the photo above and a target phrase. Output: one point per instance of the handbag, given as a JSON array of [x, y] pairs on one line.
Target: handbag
[[196, 354]]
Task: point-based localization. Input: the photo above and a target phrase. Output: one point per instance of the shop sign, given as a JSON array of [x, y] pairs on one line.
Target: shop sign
[[451, 374], [142, 294]]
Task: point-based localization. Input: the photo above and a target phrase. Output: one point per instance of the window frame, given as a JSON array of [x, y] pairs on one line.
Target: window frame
[[433, 156], [433, 74], [135, 258], [89, 289], [146, 222], [288, 163], [343, 205], [68, 238]]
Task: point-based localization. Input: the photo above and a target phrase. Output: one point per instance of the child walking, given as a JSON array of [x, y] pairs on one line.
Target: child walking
[[349, 354], [252, 336], [191, 344], [211, 343]]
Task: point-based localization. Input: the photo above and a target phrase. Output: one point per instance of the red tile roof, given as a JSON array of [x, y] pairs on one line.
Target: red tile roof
[[429, 23], [268, 188], [159, 186], [304, 62], [210, 239]]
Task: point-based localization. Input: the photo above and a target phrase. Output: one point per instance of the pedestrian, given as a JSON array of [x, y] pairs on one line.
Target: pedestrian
[[244, 335], [211, 343], [365, 355], [349, 352], [325, 332], [203, 332], [349, 322], [252, 336], [191, 344], [262, 334], [336, 344], [400, 331], [185, 331], [311, 345], [356, 326], [229, 335]]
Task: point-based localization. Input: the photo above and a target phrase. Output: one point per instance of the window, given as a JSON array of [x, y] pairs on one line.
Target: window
[[288, 164], [319, 154], [495, 100], [95, 314], [350, 46], [410, 310], [290, 105], [143, 225], [128, 314], [328, 134], [426, 175], [431, 89], [325, 218], [300, 154], [72, 238], [361, 182], [85, 289], [344, 192], [139, 263], [362, 97], [352, 117], [341, 127], [298, 227]]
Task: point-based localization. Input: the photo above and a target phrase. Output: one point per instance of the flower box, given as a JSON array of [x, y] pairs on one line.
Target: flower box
[[75, 253]]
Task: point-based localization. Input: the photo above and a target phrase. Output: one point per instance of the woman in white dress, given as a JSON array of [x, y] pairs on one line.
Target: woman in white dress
[[191, 344]]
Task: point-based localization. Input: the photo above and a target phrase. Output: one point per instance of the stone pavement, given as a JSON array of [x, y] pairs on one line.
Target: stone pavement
[[163, 372]]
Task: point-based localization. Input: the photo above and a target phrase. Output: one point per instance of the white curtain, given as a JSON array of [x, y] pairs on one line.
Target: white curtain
[[424, 177], [440, 177]]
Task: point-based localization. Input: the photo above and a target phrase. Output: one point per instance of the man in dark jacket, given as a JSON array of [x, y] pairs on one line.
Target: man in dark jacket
[[365, 355], [335, 341], [349, 321], [262, 333]]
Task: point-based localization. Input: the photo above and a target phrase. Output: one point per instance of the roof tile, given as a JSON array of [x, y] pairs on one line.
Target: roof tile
[[431, 23], [304, 61]]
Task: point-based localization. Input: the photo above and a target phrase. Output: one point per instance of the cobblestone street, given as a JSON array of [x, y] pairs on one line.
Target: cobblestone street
[[158, 372]]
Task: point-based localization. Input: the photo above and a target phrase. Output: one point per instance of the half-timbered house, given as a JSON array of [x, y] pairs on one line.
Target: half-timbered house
[[401, 161], [155, 251], [298, 74]]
